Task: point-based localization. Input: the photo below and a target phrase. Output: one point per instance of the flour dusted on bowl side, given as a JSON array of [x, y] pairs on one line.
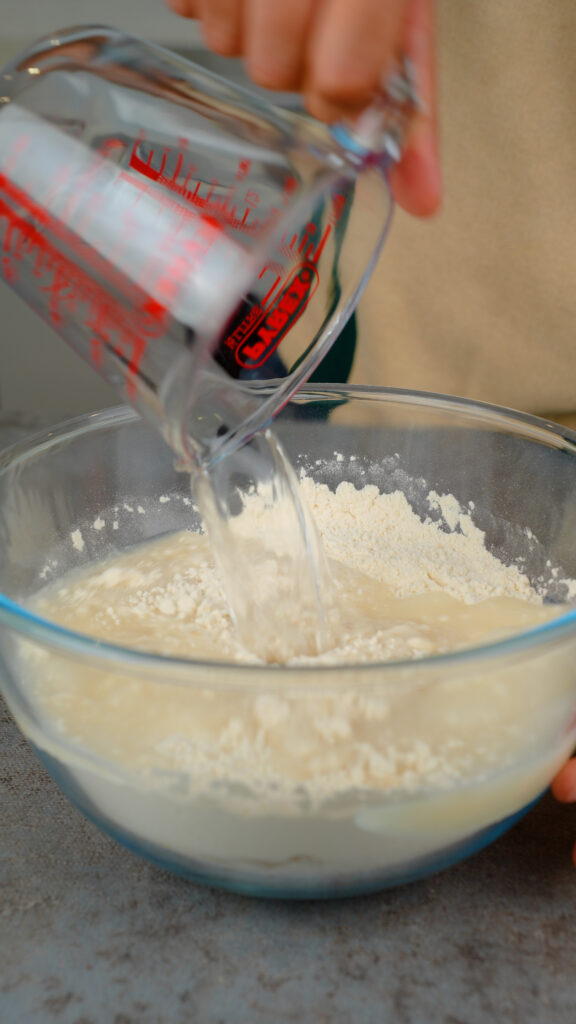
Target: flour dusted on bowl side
[[282, 746]]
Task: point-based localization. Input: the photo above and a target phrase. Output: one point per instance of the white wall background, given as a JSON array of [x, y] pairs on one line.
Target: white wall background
[[38, 374]]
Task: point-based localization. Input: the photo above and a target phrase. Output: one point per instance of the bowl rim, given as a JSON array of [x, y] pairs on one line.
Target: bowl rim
[[36, 628]]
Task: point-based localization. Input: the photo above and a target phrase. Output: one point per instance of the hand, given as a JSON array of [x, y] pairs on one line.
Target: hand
[[564, 788], [335, 52]]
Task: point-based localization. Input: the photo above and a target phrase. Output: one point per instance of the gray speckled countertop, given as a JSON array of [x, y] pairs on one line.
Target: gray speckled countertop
[[89, 934]]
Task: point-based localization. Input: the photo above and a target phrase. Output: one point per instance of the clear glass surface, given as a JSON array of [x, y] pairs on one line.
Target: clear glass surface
[[520, 475], [187, 239]]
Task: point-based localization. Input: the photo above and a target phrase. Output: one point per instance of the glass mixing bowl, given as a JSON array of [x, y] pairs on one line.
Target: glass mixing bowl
[[105, 482]]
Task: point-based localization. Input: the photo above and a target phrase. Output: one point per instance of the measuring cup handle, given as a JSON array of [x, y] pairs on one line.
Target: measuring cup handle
[[382, 128]]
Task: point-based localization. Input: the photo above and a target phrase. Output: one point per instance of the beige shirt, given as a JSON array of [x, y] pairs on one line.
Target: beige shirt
[[481, 300]]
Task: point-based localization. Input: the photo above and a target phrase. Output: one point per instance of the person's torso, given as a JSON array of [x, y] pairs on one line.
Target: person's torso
[[481, 300]]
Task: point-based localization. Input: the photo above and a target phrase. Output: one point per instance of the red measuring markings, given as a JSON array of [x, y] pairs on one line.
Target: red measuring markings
[[224, 209], [261, 332], [243, 169], [220, 208], [69, 289]]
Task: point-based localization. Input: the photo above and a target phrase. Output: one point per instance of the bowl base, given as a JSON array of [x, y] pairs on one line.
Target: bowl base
[[247, 882]]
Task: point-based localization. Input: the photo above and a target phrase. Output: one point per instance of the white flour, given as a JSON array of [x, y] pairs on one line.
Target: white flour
[[167, 597], [310, 766]]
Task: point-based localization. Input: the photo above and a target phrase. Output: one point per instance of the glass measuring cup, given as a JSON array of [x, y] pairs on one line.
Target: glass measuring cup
[[180, 233]]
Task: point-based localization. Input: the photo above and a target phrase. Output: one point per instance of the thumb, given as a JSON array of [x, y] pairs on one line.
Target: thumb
[[416, 180], [564, 785]]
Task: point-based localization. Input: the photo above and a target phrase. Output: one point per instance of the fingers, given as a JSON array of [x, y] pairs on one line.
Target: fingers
[[416, 181], [186, 8], [222, 25], [336, 52], [564, 788], [221, 22], [564, 785], [275, 41], [351, 46]]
